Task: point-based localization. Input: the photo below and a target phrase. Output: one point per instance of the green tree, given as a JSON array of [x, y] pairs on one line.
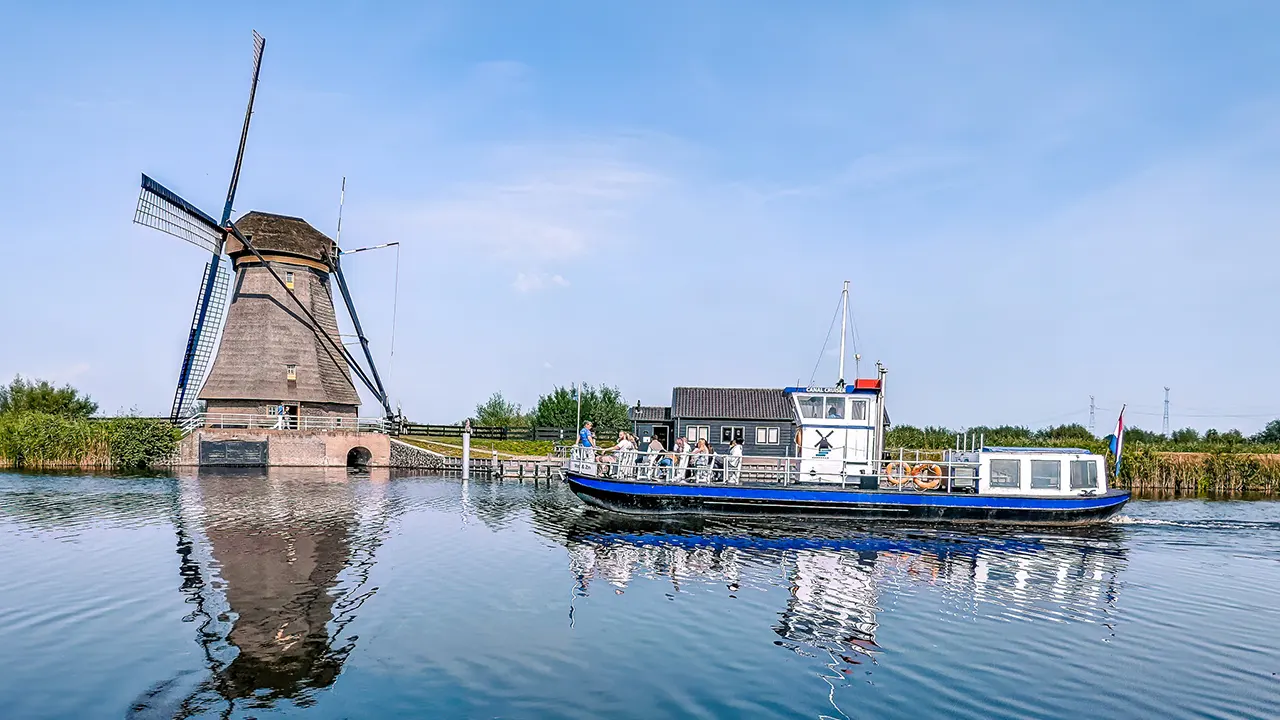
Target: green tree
[[602, 405], [1269, 434], [1186, 436], [1137, 434], [498, 412], [41, 396]]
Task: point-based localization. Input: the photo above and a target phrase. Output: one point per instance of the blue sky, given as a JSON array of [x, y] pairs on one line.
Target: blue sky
[[1035, 202]]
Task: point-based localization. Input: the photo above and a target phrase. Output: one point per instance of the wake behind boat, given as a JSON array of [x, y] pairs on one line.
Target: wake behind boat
[[838, 466]]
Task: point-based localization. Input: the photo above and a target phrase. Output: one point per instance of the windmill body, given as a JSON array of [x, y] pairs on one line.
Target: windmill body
[[270, 355]]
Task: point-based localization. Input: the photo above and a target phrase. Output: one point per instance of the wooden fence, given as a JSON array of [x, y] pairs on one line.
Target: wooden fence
[[482, 432]]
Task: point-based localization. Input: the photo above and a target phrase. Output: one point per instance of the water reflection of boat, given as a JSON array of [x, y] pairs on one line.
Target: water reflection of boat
[[836, 577], [263, 562]]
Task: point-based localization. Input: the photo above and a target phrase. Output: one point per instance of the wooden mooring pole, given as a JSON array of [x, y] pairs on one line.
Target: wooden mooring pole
[[466, 451]]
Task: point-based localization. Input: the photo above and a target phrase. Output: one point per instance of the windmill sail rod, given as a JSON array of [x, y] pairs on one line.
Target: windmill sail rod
[[381, 393], [259, 45], [371, 247], [315, 324]]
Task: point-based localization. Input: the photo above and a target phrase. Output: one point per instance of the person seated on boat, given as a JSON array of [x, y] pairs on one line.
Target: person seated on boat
[[682, 452], [619, 447]]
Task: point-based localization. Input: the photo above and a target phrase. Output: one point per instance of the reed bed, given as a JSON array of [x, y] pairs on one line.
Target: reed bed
[[44, 441]]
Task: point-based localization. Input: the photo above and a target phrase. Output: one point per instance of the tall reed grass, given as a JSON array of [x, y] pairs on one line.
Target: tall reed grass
[[43, 441]]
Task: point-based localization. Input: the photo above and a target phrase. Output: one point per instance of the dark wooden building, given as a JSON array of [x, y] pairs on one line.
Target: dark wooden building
[[762, 419]]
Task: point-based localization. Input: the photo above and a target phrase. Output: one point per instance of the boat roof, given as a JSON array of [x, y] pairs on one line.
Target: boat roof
[[1043, 450]]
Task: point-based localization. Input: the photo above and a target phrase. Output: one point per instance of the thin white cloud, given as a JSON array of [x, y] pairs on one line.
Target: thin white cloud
[[533, 282]]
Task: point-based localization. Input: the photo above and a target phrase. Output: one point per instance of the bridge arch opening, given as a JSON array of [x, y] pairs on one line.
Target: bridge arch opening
[[359, 457]]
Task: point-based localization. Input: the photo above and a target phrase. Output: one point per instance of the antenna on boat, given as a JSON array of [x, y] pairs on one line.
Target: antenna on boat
[[844, 322]]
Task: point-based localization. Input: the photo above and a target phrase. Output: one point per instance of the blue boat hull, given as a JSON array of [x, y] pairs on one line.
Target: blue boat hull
[[646, 498]]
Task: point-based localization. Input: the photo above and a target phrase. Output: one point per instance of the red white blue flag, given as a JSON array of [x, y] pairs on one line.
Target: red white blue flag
[[1117, 440]]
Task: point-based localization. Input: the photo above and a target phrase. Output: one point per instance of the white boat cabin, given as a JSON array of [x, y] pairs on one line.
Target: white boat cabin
[[840, 440]]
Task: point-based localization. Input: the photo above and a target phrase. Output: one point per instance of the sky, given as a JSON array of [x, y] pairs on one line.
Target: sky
[[1035, 203]]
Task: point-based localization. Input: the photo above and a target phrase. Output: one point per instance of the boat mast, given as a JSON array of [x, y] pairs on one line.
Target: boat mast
[[844, 320]]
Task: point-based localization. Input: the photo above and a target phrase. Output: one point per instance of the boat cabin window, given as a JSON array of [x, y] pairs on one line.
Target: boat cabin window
[[1084, 474], [811, 407], [835, 408], [1046, 474], [1006, 473], [729, 433], [858, 410]]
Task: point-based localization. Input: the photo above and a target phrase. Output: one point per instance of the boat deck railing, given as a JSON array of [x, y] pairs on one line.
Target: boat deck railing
[[922, 472]]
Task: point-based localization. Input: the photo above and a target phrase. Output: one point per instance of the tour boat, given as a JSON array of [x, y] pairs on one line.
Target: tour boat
[[840, 467]]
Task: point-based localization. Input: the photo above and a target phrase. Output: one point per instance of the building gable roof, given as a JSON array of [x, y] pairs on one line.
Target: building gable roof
[[649, 413], [731, 404]]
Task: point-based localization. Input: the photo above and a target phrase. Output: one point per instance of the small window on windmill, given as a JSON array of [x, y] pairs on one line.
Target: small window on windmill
[[288, 282], [291, 372]]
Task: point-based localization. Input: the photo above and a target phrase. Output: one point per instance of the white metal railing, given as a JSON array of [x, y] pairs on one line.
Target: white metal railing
[[282, 422], [909, 472]]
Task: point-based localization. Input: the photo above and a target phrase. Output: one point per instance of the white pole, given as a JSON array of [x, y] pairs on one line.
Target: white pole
[[577, 392], [466, 451], [844, 319]]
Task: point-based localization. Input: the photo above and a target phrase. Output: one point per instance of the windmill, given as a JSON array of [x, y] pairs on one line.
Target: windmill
[[256, 374]]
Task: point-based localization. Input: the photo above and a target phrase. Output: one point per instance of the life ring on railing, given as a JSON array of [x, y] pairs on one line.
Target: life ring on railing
[[898, 473], [921, 473]]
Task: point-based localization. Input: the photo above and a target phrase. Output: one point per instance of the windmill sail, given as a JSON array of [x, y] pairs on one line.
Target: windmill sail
[[202, 341], [162, 209]]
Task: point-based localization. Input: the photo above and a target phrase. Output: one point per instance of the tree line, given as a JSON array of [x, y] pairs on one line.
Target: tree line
[[1266, 440], [602, 405], [605, 406]]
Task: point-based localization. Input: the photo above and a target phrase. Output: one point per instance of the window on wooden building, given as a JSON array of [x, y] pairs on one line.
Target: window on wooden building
[[1006, 473], [767, 436], [729, 433], [693, 433], [290, 372], [1046, 474], [288, 279], [1084, 474]]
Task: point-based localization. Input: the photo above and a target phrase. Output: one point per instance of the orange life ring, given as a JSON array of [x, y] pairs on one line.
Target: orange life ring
[[921, 473], [904, 472]]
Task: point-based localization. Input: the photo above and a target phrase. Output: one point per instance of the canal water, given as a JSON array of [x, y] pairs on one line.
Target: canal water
[[311, 594]]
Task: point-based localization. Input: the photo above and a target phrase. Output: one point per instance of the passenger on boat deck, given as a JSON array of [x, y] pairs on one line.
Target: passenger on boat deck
[[703, 448], [585, 436], [656, 450], [623, 444], [735, 448]]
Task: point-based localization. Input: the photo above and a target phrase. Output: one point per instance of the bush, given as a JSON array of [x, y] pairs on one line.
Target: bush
[[138, 442]]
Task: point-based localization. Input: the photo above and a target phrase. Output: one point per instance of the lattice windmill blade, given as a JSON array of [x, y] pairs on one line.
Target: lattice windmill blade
[[202, 341], [259, 45], [162, 209]]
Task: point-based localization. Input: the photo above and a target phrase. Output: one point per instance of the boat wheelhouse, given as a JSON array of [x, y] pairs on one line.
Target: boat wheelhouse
[[838, 465]]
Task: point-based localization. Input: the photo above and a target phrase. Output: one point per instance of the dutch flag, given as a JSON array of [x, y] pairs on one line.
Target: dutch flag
[[1117, 440]]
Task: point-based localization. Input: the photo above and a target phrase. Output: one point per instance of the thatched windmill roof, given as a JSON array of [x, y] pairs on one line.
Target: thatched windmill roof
[[283, 234]]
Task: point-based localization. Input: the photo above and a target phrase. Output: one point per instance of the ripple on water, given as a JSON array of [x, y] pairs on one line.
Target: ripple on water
[[319, 593]]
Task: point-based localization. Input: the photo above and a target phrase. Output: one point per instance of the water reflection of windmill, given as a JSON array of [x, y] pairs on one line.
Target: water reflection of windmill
[[276, 566], [281, 343]]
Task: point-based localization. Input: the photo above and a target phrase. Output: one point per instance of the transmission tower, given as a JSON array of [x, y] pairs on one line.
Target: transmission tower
[[1164, 429], [1091, 409]]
